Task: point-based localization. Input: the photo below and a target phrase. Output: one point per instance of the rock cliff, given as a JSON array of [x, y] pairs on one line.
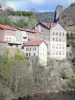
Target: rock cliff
[[67, 16], [58, 11]]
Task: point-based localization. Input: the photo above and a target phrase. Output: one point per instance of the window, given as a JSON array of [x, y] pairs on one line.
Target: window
[[24, 37], [34, 49], [63, 33], [30, 49], [17, 46], [60, 33], [56, 33], [26, 54], [34, 54], [29, 54], [59, 52], [53, 39], [53, 33], [26, 49], [60, 39]]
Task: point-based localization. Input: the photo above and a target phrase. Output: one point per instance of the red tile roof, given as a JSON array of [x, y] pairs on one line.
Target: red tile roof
[[6, 27], [48, 25], [28, 30], [2, 41], [33, 43]]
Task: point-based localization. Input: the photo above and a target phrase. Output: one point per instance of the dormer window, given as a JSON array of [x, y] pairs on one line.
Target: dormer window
[[24, 37]]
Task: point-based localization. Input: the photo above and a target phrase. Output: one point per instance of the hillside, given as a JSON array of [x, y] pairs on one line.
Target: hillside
[[45, 16], [23, 18], [17, 18]]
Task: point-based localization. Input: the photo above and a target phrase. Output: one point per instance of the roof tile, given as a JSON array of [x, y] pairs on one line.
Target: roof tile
[[6, 27], [33, 43]]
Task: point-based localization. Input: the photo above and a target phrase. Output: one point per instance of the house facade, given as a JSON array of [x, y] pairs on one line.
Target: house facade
[[36, 48], [7, 33], [58, 42]]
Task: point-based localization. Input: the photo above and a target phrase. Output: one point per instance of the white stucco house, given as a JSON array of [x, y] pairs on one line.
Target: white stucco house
[[36, 48], [58, 42]]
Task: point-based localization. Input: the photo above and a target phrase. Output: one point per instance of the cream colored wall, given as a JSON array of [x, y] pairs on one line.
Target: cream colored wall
[[43, 54], [57, 47], [32, 51], [9, 36], [19, 36]]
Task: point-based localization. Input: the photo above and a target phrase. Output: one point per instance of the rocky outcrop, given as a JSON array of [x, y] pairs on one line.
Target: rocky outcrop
[[68, 15], [58, 11]]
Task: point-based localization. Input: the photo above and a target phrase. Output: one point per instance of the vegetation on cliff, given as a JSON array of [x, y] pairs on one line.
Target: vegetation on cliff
[[20, 23]]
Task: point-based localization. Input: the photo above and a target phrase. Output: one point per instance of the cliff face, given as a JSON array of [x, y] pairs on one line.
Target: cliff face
[[68, 15], [58, 11]]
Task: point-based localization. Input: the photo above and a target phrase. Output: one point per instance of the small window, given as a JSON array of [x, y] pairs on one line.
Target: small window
[[34, 54], [60, 39], [17, 46], [60, 33], [56, 33], [24, 37], [59, 52], [63, 33], [53, 33], [26, 49], [26, 54], [30, 49], [34, 49], [53, 39], [29, 54]]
